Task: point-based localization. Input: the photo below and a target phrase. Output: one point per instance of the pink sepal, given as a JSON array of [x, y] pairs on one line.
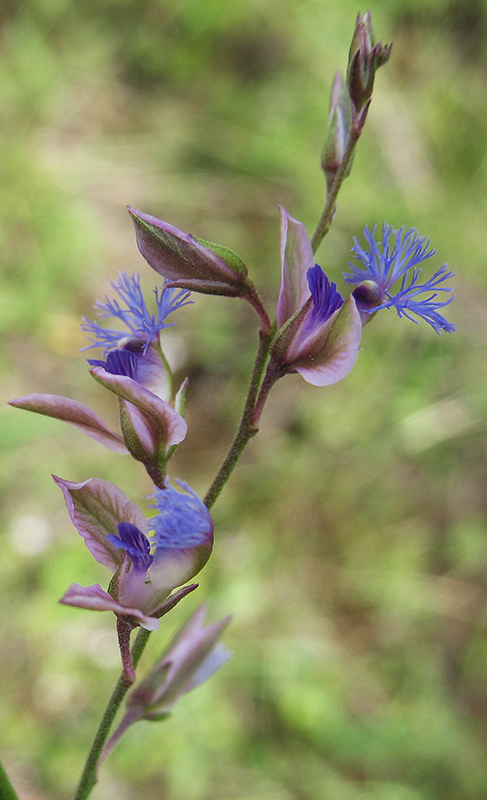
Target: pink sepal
[[76, 414], [96, 508], [95, 598], [296, 258]]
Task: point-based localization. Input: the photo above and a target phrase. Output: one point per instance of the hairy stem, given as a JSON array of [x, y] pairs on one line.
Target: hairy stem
[[329, 210], [88, 777], [273, 373], [254, 299]]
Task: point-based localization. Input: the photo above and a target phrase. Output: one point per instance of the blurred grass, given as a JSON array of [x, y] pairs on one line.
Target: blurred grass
[[351, 542]]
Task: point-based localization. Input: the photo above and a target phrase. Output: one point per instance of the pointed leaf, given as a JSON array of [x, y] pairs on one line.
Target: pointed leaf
[[76, 414], [180, 399], [96, 507]]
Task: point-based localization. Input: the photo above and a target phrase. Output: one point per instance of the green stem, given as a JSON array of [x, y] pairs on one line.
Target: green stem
[[7, 791], [169, 374], [329, 210], [88, 777], [273, 373], [246, 428]]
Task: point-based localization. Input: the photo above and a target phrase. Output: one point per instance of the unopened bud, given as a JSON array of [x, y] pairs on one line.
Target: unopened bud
[[191, 658], [365, 58], [187, 261], [338, 130]]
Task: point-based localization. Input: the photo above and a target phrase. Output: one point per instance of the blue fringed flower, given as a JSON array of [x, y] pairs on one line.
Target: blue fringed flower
[[182, 520], [183, 523], [392, 260], [141, 324]]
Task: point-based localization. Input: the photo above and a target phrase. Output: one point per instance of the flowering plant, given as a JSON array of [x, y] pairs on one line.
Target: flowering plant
[[316, 333]]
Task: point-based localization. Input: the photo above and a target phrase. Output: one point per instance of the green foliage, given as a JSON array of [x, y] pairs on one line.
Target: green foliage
[[351, 542]]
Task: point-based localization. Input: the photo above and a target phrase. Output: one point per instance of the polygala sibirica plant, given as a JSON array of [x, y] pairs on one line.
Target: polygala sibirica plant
[[316, 331]]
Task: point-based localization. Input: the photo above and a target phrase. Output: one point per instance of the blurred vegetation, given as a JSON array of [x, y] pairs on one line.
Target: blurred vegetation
[[351, 541]]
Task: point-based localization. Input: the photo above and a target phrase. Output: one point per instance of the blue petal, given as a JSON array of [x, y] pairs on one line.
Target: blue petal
[[409, 301], [135, 543], [119, 362], [183, 520], [326, 298]]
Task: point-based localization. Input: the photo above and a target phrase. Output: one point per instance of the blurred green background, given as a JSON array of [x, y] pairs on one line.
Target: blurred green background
[[352, 540]]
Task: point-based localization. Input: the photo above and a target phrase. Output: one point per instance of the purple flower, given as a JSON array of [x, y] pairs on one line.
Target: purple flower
[[136, 371], [396, 258], [147, 365], [191, 658], [146, 569], [319, 332]]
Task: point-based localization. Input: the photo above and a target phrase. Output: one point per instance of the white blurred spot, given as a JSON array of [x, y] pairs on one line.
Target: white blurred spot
[[435, 423], [30, 534]]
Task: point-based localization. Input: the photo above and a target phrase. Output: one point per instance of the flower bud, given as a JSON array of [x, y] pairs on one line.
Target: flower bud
[[338, 130], [188, 262], [365, 58], [191, 658]]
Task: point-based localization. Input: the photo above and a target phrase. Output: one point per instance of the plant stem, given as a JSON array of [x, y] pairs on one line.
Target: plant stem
[[124, 629], [7, 791], [253, 298], [88, 778], [329, 210], [273, 374], [246, 428]]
